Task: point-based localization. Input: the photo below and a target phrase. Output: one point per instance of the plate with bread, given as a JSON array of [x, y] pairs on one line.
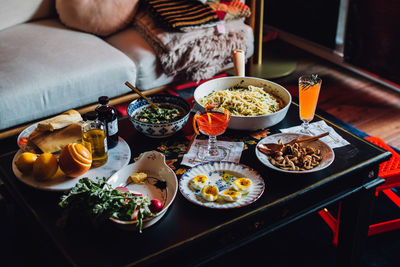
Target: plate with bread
[[51, 156], [51, 135]]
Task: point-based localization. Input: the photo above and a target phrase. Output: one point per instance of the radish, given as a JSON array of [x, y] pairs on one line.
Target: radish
[[155, 206]]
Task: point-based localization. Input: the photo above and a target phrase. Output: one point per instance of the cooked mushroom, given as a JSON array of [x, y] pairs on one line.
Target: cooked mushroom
[[296, 158]]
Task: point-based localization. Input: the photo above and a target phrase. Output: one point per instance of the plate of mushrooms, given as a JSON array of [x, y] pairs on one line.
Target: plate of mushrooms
[[295, 157]]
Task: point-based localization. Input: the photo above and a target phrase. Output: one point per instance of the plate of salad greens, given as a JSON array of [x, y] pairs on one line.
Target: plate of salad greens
[[134, 198]]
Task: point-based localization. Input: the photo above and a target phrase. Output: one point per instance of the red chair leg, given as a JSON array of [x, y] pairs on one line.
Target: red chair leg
[[328, 218], [388, 225], [332, 222], [394, 197], [390, 171], [384, 227]]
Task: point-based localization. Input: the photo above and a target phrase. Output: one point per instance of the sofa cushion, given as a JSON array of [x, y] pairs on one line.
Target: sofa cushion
[[100, 17], [13, 12], [149, 72], [46, 69]]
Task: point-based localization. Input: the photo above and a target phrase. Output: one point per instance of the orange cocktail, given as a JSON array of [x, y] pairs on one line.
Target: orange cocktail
[[309, 87], [212, 123]]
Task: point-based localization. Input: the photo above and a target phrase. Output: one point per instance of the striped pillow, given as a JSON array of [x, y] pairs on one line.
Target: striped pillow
[[181, 14]]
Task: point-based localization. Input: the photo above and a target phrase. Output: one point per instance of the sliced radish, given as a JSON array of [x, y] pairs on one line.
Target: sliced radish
[[122, 189], [134, 215]]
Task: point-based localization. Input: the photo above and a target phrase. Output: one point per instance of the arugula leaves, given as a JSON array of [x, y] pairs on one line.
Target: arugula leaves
[[102, 201], [163, 114]]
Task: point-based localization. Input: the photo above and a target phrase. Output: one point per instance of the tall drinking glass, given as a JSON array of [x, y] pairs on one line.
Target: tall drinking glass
[[212, 123], [309, 87]]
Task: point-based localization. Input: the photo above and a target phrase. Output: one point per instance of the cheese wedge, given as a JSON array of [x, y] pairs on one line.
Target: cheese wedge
[[60, 121], [56, 140], [138, 178]]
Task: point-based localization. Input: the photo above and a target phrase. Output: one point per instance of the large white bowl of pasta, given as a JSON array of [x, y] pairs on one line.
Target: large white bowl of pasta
[[254, 103]]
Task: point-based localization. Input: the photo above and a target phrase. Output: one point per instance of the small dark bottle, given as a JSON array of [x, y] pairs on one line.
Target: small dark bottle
[[108, 115]]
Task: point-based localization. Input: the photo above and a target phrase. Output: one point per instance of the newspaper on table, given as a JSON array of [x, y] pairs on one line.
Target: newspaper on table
[[191, 157], [334, 140]]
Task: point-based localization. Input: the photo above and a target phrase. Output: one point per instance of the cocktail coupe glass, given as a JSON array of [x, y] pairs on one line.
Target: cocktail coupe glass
[[212, 123], [309, 87]]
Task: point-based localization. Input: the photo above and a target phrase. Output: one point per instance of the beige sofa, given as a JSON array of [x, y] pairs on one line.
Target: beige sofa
[[47, 68]]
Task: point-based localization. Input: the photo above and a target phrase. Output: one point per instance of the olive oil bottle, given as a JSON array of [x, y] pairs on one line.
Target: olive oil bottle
[[94, 138]]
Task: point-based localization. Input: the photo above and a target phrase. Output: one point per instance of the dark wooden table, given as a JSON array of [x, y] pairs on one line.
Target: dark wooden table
[[189, 234]]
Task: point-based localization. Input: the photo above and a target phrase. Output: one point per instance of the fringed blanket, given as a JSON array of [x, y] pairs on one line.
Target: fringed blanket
[[195, 55]]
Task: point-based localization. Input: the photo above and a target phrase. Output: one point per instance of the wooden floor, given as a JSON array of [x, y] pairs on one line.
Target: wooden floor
[[350, 97]]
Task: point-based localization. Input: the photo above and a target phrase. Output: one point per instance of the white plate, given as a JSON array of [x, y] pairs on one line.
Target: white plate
[[118, 157], [213, 170], [22, 140], [326, 151], [158, 172]]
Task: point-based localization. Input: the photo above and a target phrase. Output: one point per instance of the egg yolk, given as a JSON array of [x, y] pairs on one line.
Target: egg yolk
[[242, 183], [231, 193], [200, 178], [210, 192]]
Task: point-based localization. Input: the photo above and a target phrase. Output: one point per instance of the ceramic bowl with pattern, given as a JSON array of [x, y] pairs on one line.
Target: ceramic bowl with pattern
[[159, 130], [249, 123]]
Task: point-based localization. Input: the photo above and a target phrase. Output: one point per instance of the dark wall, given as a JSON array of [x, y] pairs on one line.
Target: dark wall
[[373, 37], [315, 20]]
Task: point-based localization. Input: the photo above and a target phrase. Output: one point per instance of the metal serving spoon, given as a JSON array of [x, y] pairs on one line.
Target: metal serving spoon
[[271, 148]]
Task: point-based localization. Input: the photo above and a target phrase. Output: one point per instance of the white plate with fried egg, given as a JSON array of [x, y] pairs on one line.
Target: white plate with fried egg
[[221, 185]]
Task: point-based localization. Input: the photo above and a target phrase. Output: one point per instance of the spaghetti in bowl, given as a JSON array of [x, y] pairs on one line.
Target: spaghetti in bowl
[[254, 103], [244, 101]]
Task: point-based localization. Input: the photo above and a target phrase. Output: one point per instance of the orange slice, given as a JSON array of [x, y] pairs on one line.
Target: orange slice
[[227, 115], [209, 117], [211, 106], [194, 124], [217, 118]]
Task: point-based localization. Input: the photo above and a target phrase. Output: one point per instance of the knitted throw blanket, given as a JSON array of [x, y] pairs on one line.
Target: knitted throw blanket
[[195, 55]]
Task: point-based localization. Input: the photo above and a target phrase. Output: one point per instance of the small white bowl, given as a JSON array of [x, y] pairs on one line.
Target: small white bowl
[[327, 153], [160, 130], [250, 123], [153, 164]]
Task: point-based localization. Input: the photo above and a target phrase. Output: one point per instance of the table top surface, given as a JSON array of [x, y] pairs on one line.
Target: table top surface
[[186, 225]]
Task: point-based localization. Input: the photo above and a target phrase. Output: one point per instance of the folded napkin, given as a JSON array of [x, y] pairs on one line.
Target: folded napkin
[[191, 158], [334, 140], [195, 55]]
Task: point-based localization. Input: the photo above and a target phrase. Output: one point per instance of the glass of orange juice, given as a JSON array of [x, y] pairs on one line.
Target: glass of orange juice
[[212, 123], [309, 86]]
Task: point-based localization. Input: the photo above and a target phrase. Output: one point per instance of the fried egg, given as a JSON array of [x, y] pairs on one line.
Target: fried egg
[[198, 182], [210, 192], [241, 185], [230, 195]]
